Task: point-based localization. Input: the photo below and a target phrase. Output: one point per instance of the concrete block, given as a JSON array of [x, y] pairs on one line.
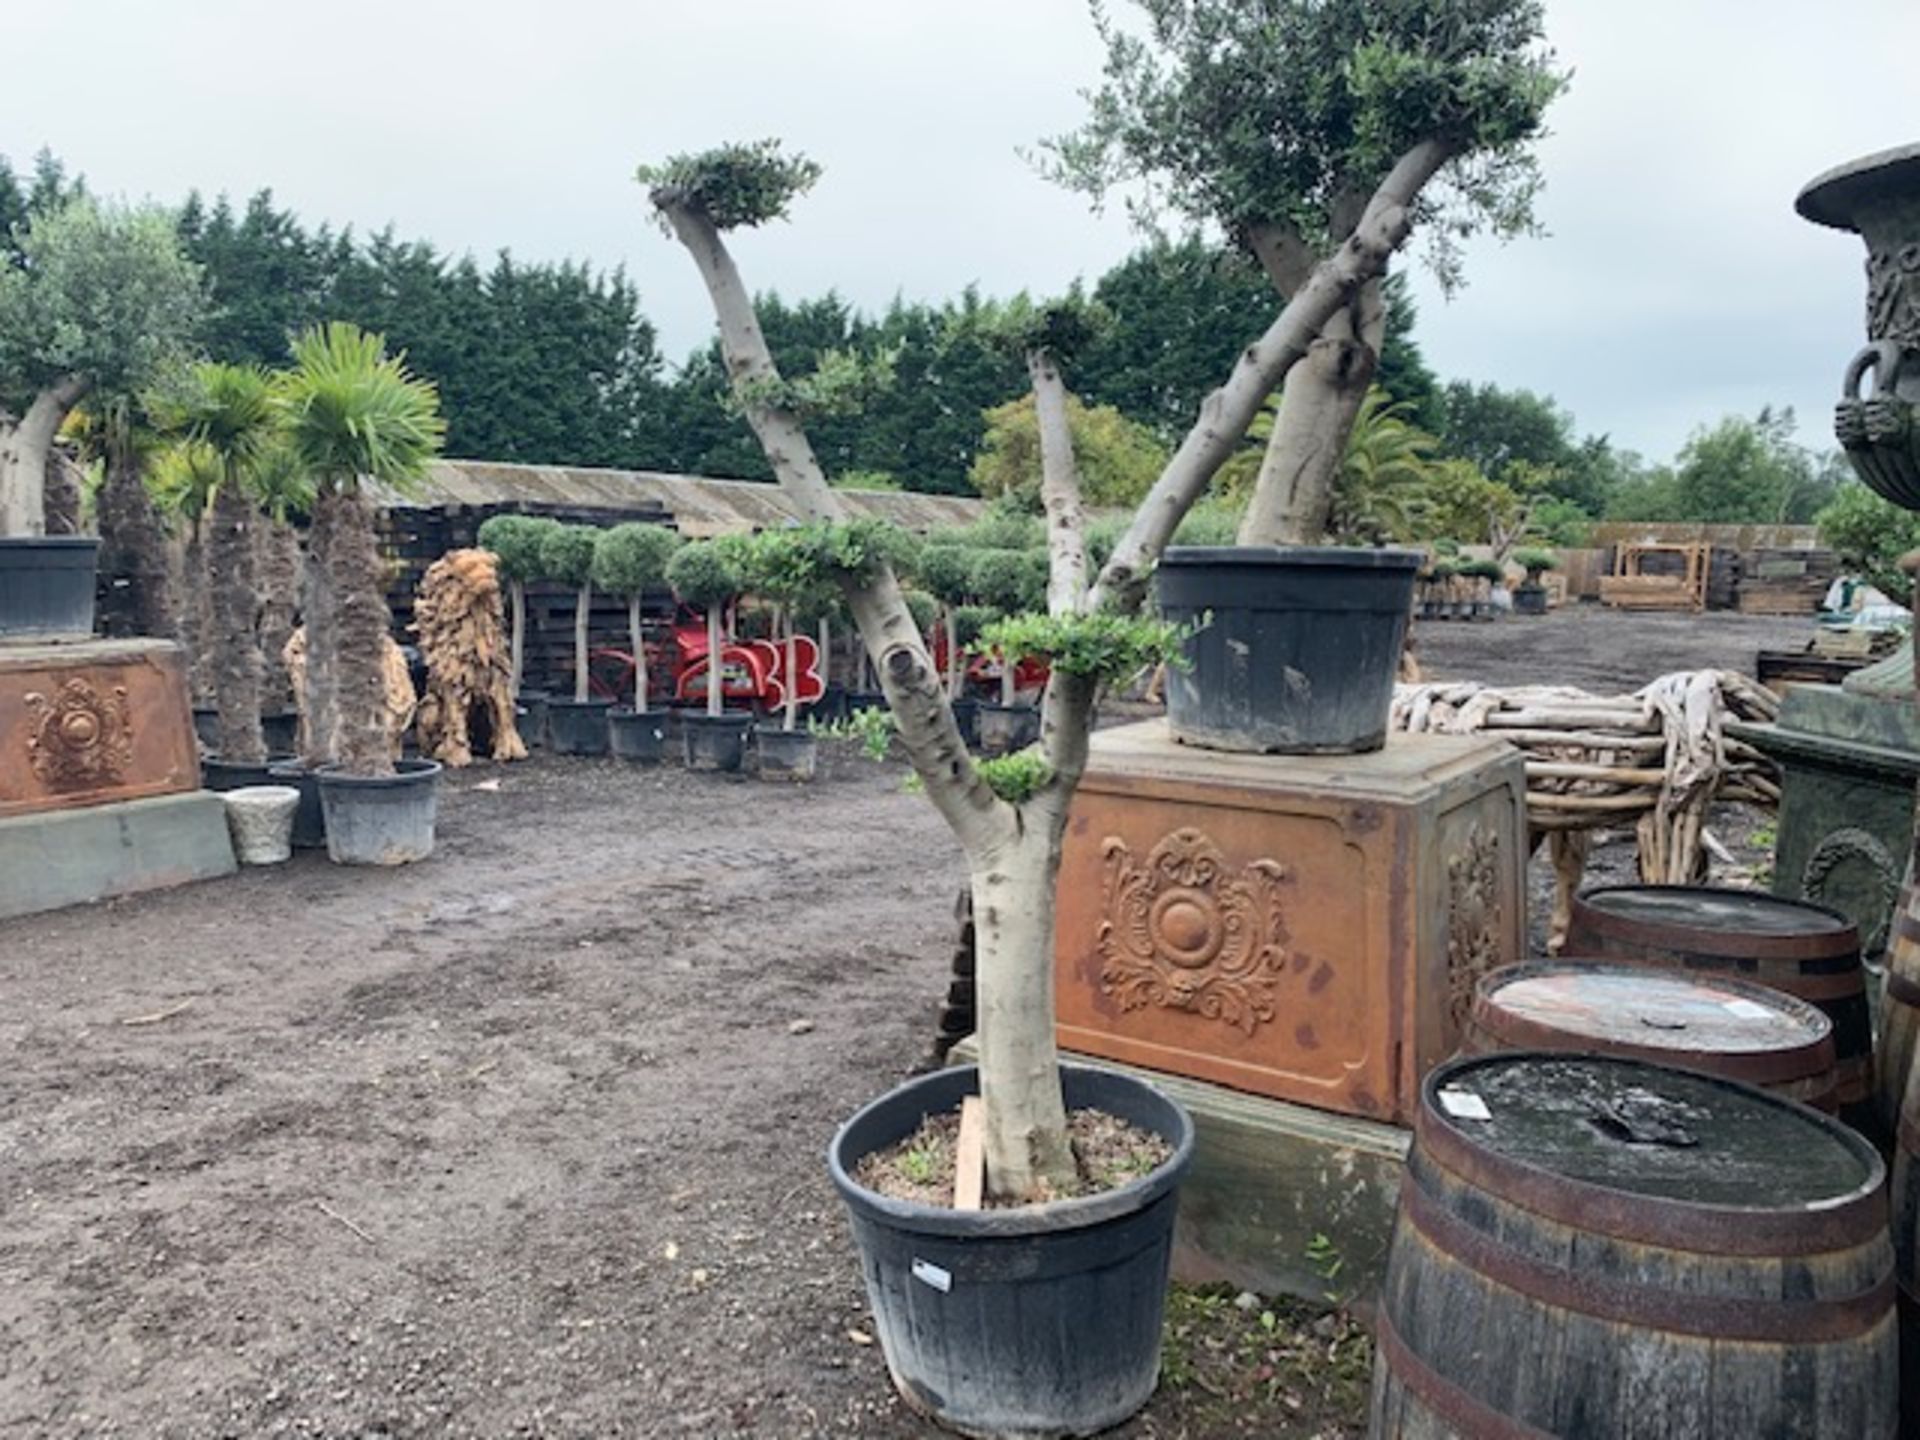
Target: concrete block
[[73, 857]]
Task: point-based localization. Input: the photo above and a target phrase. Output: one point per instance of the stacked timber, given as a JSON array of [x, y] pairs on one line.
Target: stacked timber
[[1711, 1025], [1786, 582], [1590, 1248]]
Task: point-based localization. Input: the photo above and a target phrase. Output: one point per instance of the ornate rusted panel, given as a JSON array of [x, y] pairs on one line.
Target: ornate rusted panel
[[1303, 927], [86, 723]]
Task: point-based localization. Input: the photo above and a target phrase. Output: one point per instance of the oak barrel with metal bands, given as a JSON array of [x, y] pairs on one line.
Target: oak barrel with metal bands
[[1711, 1024], [1806, 950], [1590, 1248], [1905, 1194], [1899, 1008]]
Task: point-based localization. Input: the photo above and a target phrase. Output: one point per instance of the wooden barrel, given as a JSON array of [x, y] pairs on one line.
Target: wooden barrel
[[1806, 950], [1590, 1248], [1710, 1024], [1899, 1007]]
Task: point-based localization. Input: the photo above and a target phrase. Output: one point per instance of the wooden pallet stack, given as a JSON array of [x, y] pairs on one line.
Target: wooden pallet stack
[[1786, 582]]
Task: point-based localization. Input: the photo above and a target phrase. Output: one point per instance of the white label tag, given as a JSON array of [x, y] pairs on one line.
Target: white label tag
[[1464, 1105], [927, 1273], [1746, 1010]]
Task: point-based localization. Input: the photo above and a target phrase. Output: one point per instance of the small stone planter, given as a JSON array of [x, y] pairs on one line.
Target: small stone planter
[[381, 819], [786, 754], [260, 819]]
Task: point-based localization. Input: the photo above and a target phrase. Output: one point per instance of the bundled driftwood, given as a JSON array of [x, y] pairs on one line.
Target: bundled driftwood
[[462, 631], [1658, 758]]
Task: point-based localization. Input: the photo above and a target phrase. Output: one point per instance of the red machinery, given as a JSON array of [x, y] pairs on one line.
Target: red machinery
[[753, 672]]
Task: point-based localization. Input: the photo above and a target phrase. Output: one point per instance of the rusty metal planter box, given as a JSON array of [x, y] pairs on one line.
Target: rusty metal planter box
[[1304, 927], [92, 722]]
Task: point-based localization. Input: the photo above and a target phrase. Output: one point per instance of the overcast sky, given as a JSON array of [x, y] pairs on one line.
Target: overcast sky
[[1676, 284]]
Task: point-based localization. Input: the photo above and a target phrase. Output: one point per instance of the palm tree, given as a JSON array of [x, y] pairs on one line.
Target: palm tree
[[1383, 475], [354, 414], [111, 432], [230, 412]]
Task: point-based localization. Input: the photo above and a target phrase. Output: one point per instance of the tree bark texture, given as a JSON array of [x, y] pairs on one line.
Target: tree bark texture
[[24, 450], [235, 642], [715, 698], [517, 594], [1292, 502], [64, 499], [133, 553], [196, 612], [277, 560], [1059, 488], [639, 655], [320, 719]]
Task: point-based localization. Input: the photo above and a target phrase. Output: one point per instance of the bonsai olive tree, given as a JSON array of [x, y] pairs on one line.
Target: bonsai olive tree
[[354, 414], [231, 412], [1536, 563], [629, 560], [102, 298], [516, 542], [706, 574], [566, 557], [1008, 815], [1287, 124]]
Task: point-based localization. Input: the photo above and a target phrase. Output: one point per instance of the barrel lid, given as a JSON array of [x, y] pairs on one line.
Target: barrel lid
[[1708, 907], [1651, 1154], [1746, 1032]]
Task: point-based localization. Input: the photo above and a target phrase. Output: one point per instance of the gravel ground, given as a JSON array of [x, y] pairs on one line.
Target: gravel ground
[[527, 1140]]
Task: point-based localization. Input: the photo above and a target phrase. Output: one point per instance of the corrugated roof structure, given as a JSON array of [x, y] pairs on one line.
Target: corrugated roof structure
[[699, 506]]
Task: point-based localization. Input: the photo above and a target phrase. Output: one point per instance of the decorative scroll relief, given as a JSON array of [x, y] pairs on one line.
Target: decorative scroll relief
[[1185, 931], [80, 738], [1473, 918], [1854, 873], [1893, 296]]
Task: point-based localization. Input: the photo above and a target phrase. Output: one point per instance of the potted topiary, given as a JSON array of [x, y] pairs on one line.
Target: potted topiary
[[783, 566], [1009, 582], [354, 414], [576, 725], [1530, 596], [628, 561], [1484, 574], [516, 542], [946, 570], [707, 574]]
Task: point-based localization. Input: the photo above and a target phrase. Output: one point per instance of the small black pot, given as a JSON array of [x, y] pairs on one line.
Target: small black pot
[[638, 737], [381, 820], [206, 727], [577, 727], [786, 754], [966, 715], [1003, 729], [530, 717], [1293, 649], [1529, 599], [218, 774], [1038, 1321], [310, 819], [46, 586], [831, 707], [281, 731], [715, 742]]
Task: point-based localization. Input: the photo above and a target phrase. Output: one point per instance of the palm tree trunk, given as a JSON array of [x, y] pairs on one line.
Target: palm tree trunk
[[278, 558], [236, 654], [322, 683], [197, 617], [361, 631], [64, 499], [133, 552]]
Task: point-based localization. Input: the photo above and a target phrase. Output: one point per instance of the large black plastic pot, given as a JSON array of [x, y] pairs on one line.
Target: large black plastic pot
[[309, 817], [46, 586], [966, 716], [530, 717], [714, 742], [1296, 647], [1002, 729], [381, 820], [218, 774], [577, 727], [1039, 1321], [785, 754], [1529, 599], [638, 737]]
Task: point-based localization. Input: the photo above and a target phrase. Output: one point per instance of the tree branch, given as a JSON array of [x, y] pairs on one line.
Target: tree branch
[[1059, 489], [1228, 411], [1282, 252]]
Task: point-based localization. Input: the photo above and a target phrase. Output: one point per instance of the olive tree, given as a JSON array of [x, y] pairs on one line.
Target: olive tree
[[102, 298], [1008, 815], [1286, 123]]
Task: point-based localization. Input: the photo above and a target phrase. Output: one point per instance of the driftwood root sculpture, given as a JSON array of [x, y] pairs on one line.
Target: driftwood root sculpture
[[462, 631]]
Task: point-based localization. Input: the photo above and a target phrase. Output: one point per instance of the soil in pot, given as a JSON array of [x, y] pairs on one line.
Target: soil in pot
[[577, 727], [641, 738], [384, 819], [1290, 650], [920, 1168], [786, 754], [715, 742], [46, 586], [1028, 1321], [1002, 729], [310, 817]]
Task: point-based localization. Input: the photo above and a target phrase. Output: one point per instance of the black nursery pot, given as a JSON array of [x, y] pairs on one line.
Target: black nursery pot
[[1003, 729], [641, 738], [1043, 1320], [785, 754], [966, 715], [46, 586], [309, 817], [217, 774], [281, 731], [381, 820], [1529, 599], [530, 717], [715, 742], [1296, 647], [577, 727]]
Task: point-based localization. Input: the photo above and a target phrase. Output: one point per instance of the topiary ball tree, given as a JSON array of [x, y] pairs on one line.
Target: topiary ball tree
[[706, 574], [1536, 563], [566, 557], [515, 541], [629, 560], [783, 566], [946, 570], [1011, 582]]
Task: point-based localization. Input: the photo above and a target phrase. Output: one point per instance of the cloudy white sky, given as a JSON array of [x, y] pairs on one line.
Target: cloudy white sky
[[1676, 284]]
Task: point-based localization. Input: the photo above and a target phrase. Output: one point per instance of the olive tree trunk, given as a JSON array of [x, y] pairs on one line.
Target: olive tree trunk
[[24, 447], [235, 656], [361, 625]]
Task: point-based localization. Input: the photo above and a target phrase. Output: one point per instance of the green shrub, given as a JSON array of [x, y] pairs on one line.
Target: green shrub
[[566, 554], [705, 573], [632, 558], [517, 541]]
